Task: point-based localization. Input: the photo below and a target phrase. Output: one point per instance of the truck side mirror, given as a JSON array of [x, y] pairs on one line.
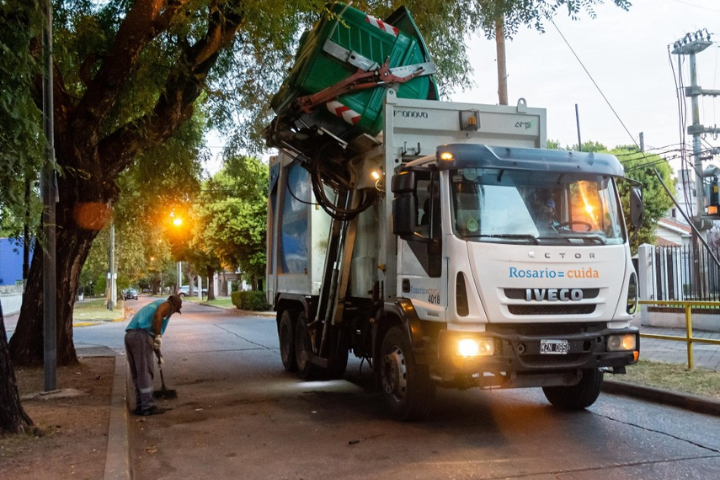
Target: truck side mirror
[[404, 182], [637, 208], [404, 205]]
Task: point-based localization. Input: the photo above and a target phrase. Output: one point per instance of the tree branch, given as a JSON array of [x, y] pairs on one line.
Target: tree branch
[[175, 105], [163, 21], [136, 31]]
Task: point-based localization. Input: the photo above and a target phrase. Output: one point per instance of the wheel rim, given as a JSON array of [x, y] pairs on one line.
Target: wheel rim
[[394, 378]]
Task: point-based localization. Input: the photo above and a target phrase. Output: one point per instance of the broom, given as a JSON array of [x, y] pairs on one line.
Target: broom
[[163, 392]]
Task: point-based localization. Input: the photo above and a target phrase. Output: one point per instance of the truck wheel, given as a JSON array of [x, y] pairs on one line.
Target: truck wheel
[[303, 345], [287, 341], [578, 396], [406, 386]]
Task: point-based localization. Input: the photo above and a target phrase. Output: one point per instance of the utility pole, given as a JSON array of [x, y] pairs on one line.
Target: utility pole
[[49, 195], [577, 120], [692, 44], [502, 70]]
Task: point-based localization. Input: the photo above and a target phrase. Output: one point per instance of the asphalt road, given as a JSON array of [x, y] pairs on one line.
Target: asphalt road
[[239, 415]]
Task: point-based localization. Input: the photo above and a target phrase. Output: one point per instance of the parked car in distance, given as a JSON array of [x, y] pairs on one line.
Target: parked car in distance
[[184, 291], [130, 293]]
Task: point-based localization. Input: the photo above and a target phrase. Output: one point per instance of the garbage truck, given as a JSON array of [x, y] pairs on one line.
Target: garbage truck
[[441, 242]]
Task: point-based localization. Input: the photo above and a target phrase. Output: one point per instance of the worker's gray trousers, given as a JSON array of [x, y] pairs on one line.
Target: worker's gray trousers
[[139, 353]]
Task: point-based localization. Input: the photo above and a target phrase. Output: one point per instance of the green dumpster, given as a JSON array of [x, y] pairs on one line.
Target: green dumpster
[[342, 43]]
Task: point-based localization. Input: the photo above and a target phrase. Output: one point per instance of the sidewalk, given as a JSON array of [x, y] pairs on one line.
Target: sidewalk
[[705, 356]]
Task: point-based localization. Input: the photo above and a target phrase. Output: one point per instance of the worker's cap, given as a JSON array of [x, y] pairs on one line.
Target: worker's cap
[[176, 303]]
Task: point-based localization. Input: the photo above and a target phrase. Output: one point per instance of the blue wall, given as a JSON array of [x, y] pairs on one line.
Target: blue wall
[[11, 261]]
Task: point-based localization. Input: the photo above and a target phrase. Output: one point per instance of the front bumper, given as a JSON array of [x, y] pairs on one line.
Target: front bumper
[[517, 360]]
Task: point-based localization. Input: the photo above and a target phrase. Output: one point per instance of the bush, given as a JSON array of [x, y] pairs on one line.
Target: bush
[[253, 300]]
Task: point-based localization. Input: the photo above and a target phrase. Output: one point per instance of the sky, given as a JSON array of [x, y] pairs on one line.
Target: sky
[[626, 54]]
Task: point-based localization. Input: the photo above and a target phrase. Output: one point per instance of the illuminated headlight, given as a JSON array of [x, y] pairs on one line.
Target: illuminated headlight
[[622, 343], [475, 347]]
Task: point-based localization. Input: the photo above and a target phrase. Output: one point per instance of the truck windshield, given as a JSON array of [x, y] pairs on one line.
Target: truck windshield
[[522, 206]]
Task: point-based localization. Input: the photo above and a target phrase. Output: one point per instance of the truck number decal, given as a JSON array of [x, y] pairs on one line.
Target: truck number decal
[[434, 296]]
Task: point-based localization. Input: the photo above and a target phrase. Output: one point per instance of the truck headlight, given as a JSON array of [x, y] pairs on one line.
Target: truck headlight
[[475, 347], [622, 343]]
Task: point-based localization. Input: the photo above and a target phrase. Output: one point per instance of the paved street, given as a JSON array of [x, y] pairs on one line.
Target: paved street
[[239, 415]]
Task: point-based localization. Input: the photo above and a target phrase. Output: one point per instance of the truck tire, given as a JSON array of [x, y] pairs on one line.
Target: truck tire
[[306, 369], [577, 397], [286, 335], [406, 386]]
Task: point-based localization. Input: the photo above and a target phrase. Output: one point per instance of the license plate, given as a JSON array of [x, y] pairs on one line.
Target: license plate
[[554, 347]]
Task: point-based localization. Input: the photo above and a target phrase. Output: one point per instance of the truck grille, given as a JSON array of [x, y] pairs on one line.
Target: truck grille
[[519, 293], [582, 309]]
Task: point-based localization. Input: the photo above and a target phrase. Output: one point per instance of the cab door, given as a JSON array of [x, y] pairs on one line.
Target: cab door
[[421, 270]]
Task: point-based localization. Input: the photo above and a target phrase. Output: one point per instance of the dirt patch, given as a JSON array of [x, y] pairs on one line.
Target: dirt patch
[[69, 437]]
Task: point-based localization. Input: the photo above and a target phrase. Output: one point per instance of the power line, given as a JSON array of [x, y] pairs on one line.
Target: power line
[[696, 6], [595, 83]]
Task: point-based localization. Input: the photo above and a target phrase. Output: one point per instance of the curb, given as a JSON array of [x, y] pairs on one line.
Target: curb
[[242, 312], [117, 460], [665, 397]]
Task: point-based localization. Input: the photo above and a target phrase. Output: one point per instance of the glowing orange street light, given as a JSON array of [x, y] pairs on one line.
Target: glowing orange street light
[[177, 221]]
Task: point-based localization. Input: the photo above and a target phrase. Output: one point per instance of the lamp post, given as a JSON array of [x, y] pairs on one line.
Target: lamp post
[[49, 194], [112, 275], [177, 221]]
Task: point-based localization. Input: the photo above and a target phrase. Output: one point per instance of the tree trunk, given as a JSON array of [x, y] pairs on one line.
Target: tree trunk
[[211, 284], [73, 246], [13, 418]]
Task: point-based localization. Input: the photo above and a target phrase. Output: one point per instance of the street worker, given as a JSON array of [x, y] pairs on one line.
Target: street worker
[[143, 336]]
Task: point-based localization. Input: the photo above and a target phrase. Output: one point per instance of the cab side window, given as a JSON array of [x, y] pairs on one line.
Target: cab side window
[[428, 214]]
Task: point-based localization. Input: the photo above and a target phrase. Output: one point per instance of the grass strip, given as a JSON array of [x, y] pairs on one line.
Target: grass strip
[[673, 377], [95, 310]]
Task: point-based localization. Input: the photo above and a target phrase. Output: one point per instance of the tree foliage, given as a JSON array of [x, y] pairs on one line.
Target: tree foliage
[[642, 168], [232, 216]]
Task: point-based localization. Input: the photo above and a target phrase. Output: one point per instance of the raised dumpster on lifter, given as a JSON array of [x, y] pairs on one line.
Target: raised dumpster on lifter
[[340, 68]]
